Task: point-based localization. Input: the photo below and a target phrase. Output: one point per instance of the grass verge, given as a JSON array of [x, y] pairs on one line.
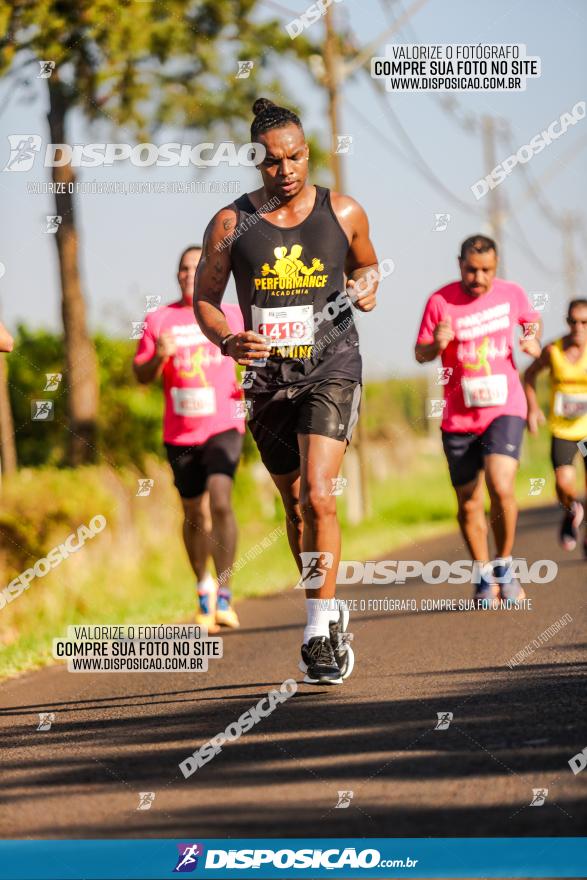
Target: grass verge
[[136, 571]]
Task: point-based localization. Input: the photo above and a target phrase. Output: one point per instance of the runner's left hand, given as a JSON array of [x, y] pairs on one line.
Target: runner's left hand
[[362, 294], [535, 418], [530, 346]]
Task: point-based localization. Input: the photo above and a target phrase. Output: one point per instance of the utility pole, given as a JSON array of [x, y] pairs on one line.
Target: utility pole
[[335, 72], [495, 209], [570, 265], [332, 80], [358, 489]]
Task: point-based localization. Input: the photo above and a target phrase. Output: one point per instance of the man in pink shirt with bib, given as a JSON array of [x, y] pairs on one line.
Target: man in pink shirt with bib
[[203, 427], [470, 324]]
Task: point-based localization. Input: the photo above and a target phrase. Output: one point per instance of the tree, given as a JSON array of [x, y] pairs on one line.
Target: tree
[[139, 65]]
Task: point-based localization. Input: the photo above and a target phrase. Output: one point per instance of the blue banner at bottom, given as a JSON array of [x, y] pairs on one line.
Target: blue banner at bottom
[[294, 857]]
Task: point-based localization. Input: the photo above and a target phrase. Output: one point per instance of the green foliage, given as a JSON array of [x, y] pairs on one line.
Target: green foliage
[[129, 423], [129, 420], [35, 354], [41, 507], [394, 403], [130, 415], [143, 65]]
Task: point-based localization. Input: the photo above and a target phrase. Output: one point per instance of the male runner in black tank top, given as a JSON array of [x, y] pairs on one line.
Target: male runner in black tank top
[[289, 246]]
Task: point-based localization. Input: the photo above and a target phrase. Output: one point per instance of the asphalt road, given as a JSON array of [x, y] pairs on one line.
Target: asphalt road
[[115, 735]]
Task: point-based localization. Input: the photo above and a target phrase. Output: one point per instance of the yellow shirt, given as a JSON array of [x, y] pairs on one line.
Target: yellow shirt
[[568, 402]]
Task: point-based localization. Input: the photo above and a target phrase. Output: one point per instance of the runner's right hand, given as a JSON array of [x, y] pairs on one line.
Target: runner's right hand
[[166, 345], [535, 418], [443, 333], [247, 347]]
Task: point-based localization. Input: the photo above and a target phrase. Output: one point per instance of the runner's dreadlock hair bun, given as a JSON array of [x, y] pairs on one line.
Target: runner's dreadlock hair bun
[[262, 104], [269, 115]]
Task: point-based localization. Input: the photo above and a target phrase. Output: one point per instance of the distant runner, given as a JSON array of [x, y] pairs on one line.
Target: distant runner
[[470, 324], [289, 246], [566, 358], [203, 434]]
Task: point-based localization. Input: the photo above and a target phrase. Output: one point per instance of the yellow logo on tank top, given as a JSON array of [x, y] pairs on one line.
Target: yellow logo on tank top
[[289, 274]]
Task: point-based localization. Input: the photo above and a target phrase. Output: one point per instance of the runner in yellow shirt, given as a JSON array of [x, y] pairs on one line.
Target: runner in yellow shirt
[[566, 358]]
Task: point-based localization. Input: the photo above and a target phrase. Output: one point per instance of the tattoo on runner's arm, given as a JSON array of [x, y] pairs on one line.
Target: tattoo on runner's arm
[[212, 277]]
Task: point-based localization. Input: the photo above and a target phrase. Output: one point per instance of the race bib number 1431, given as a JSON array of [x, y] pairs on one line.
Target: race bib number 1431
[[485, 390]]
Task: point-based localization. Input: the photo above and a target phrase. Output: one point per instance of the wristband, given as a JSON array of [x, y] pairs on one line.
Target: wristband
[[223, 343]]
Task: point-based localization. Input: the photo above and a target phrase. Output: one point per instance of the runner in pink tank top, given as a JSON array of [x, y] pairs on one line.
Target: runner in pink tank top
[[203, 427]]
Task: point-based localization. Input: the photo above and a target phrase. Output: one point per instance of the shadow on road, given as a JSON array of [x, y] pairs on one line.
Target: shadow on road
[[523, 721]]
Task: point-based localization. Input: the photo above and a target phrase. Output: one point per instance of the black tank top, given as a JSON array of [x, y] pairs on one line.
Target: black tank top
[[284, 279]]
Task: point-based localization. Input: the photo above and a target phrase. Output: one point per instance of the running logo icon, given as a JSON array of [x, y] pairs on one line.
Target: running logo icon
[[443, 375], [339, 484], [344, 800], [145, 487], [530, 330], [248, 379], [344, 144], [537, 484], [539, 300], [436, 408], [46, 719], [153, 302], [146, 798], [47, 68], [539, 795], [441, 222], [137, 329], [42, 410], [244, 69], [23, 150], [52, 381], [187, 861], [314, 568], [444, 719], [53, 222], [243, 409]]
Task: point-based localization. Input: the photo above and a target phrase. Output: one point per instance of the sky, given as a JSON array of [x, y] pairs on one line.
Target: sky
[[411, 159]]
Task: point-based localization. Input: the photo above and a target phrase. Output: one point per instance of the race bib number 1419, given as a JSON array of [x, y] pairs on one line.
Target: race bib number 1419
[[293, 325]]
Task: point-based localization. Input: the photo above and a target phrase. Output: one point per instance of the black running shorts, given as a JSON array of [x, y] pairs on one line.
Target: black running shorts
[[563, 452], [192, 465], [329, 408], [465, 452]]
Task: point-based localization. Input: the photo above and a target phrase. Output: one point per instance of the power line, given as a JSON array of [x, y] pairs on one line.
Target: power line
[[467, 121], [471, 122], [421, 165], [524, 244], [557, 166], [411, 150], [376, 131]]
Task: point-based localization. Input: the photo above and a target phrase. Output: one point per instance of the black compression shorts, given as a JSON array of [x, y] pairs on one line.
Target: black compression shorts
[[563, 452], [192, 465], [329, 408]]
